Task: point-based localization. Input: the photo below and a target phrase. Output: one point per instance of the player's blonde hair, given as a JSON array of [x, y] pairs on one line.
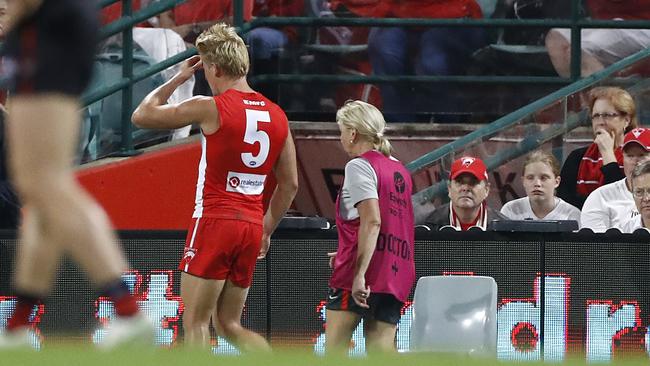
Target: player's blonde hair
[[367, 120], [221, 46]]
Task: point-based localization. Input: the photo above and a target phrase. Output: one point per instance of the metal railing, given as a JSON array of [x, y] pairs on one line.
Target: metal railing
[[528, 143], [129, 19], [125, 26]]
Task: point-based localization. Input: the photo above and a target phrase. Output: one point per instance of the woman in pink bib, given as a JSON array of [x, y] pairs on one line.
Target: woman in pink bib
[[373, 269]]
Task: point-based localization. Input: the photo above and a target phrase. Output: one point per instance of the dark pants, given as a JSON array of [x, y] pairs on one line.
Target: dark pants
[[429, 51]]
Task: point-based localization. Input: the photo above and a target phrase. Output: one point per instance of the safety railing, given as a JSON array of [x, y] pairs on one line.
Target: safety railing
[[130, 18], [552, 116]]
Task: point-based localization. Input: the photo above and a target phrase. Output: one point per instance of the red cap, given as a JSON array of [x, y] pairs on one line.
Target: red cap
[[471, 165], [640, 136]]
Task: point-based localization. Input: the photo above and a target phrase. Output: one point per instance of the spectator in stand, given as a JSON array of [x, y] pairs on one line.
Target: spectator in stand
[[159, 43], [192, 17], [468, 190], [601, 47], [612, 205], [420, 51], [613, 113], [540, 177], [640, 179], [266, 43], [113, 12]]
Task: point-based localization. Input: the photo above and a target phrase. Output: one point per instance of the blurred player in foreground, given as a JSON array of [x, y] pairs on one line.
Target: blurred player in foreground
[[48, 55]]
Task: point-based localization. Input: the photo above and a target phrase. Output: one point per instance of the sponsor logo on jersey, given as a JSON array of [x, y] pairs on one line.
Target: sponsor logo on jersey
[[254, 102], [245, 183], [400, 183], [189, 254]]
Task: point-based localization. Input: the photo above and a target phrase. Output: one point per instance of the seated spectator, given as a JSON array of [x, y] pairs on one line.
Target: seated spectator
[[601, 47], [613, 113], [162, 44], [113, 12], [192, 17], [468, 190], [612, 205], [266, 43], [540, 177], [640, 179], [420, 51]]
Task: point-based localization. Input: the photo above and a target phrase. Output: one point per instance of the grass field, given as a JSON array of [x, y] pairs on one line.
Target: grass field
[[73, 355]]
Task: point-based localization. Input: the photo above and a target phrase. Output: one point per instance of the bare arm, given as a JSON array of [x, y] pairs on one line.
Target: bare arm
[[167, 19], [19, 10], [154, 112], [370, 223], [286, 174]]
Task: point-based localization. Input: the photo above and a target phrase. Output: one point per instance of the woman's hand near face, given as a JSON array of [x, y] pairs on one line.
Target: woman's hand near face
[[605, 141]]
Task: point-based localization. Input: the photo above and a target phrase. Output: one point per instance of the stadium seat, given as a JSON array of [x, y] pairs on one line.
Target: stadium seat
[[455, 314], [102, 130]]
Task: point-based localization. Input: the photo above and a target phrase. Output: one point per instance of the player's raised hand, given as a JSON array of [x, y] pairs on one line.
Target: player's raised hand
[[188, 68]]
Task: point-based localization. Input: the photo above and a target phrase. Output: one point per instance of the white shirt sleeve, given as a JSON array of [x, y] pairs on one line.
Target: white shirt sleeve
[[506, 210], [360, 183], [595, 215], [632, 225]]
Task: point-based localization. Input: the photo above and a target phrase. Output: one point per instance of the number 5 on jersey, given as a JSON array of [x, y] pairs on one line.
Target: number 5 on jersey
[[253, 135]]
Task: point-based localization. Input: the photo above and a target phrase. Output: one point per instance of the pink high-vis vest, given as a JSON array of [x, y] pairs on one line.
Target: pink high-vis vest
[[392, 268]]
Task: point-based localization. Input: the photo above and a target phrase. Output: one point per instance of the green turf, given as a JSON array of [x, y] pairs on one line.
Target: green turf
[[72, 355]]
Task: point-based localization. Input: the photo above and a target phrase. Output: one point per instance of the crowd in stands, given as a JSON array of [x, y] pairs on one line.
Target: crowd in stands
[[398, 50], [601, 47], [596, 183], [601, 186]]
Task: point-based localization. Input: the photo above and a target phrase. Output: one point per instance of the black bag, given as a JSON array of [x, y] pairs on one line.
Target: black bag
[[534, 9]]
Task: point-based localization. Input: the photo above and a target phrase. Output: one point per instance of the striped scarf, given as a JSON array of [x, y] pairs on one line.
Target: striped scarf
[[481, 219], [590, 176]]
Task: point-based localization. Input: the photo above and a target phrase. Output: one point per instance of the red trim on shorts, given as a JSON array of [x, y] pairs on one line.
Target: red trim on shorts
[[345, 301]]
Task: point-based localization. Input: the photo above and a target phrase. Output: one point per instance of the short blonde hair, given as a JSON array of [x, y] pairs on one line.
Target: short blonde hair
[[221, 46], [620, 99], [367, 120]]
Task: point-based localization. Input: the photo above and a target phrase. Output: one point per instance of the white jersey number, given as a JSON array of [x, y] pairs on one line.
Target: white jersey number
[[253, 135]]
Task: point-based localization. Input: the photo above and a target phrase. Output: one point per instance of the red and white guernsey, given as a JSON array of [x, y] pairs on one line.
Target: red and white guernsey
[[236, 160]]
